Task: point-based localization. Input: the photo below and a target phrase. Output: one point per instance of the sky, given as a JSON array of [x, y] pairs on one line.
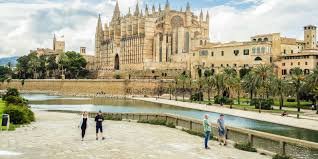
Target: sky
[[29, 24]]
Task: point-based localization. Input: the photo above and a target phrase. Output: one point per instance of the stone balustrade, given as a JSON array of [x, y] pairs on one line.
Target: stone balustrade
[[264, 142]]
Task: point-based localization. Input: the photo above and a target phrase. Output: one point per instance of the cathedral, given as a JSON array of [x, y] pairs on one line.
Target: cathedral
[[162, 43], [151, 42]]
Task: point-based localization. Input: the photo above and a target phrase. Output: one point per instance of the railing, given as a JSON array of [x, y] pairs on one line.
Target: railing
[[263, 141]]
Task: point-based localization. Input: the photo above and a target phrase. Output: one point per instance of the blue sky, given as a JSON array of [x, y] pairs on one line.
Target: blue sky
[[30, 24]]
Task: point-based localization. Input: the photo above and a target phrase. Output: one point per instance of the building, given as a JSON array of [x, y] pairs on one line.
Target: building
[[162, 43], [155, 42], [58, 47]]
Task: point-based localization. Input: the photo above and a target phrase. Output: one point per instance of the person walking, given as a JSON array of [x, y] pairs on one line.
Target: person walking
[[99, 124], [221, 130], [83, 124], [207, 130]]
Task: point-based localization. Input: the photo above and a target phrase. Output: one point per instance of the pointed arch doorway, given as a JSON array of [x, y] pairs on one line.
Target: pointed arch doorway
[[116, 66]]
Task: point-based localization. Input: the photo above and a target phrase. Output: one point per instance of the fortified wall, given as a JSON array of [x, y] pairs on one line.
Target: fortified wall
[[89, 87]]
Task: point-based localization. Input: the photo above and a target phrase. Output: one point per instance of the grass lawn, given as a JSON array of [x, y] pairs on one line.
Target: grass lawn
[[244, 105]]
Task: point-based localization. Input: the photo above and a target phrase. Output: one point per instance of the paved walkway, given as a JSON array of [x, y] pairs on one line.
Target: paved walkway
[[289, 121], [56, 136]]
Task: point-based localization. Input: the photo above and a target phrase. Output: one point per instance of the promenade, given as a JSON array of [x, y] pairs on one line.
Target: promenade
[[289, 121], [56, 136]]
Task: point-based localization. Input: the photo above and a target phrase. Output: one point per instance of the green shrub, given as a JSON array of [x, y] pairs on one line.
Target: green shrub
[[281, 157], [245, 147], [19, 114], [266, 104], [224, 100], [158, 122], [170, 125], [11, 92], [291, 100], [197, 96], [16, 100], [117, 76], [110, 117]]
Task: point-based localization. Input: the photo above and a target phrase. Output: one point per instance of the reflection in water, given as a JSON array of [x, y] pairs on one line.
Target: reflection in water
[[41, 101]]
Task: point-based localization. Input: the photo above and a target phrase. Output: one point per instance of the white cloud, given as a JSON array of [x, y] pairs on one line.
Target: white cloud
[[31, 24], [268, 16]]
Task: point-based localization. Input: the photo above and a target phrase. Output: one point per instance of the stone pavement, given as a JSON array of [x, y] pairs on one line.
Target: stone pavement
[[289, 121], [56, 136]]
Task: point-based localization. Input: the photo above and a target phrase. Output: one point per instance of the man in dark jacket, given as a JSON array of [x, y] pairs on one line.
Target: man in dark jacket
[[99, 124]]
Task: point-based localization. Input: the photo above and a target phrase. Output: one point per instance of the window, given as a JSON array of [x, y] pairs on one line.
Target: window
[[292, 51], [246, 51], [291, 64], [265, 39], [284, 72], [283, 64], [227, 65], [236, 52], [222, 53], [258, 59], [263, 49], [284, 51], [306, 63], [212, 53], [212, 65], [259, 39], [254, 50], [245, 65], [298, 63], [221, 65], [234, 65], [258, 50], [306, 71]]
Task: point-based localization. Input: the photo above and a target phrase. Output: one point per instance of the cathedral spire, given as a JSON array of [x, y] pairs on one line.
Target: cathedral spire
[[129, 12], [201, 15], [167, 7], [116, 11], [99, 27], [137, 9], [153, 9], [188, 7], [146, 10], [207, 16], [159, 10]]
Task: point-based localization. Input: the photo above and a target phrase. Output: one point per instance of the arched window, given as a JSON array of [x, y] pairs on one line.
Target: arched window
[[265, 39], [254, 50], [254, 40], [259, 39], [201, 42], [258, 50], [258, 59], [263, 49]]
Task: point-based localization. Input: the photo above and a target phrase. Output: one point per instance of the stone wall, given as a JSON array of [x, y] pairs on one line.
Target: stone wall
[[88, 87]]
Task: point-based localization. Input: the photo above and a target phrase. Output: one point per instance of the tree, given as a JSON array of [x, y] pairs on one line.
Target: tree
[[5, 72], [249, 84], [74, 65], [312, 83], [219, 83], [297, 79], [262, 75], [279, 87], [183, 79], [33, 64], [210, 83]]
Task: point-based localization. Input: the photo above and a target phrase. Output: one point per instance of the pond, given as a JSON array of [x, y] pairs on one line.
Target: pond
[[47, 102]]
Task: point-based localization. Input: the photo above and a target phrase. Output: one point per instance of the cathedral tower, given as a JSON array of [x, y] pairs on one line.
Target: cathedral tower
[[310, 37]]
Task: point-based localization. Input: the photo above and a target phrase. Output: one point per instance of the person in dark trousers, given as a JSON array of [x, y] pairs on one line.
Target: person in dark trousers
[[84, 124], [99, 124], [221, 130], [207, 131]]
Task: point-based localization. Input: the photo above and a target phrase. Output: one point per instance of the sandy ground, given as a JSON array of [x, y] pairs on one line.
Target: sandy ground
[[56, 136], [289, 121]]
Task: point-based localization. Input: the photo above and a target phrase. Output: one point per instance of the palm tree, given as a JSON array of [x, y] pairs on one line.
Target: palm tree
[[279, 87], [312, 81], [209, 83], [219, 83], [249, 84], [262, 74], [229, 79], [183, 78], [297, 78]]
